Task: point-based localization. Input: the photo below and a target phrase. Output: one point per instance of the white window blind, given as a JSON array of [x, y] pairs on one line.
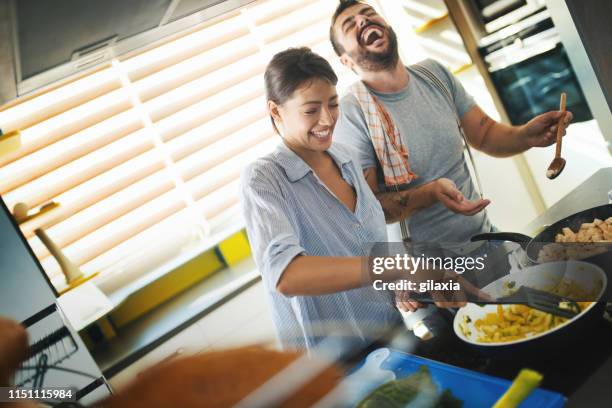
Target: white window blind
[[144, 155]]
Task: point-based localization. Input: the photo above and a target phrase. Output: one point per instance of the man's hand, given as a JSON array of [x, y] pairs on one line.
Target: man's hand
[[13, 348], [541, 131], [446, 192]]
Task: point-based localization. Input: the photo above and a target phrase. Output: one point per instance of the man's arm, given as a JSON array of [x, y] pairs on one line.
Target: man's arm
[[501, 140], [398, 205]]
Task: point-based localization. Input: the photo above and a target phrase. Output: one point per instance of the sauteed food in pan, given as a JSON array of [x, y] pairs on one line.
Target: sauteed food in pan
[[514, 322], [592, 238], [596, 231]]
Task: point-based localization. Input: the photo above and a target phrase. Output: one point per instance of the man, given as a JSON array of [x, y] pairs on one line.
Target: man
[[440, 192]]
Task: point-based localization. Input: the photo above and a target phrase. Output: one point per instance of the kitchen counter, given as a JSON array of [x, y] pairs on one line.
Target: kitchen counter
[[167, 320], [591, 193]]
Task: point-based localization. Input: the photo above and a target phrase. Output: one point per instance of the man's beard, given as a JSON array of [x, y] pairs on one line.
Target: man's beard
[[376, 61]]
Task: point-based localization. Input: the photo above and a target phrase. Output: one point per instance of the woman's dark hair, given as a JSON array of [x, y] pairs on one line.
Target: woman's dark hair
[[292, 69]]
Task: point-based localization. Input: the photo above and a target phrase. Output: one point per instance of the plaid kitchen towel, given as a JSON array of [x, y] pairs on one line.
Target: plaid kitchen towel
[[391, 152]]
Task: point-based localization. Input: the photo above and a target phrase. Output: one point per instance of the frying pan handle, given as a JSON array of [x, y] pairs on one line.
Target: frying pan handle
[[521, 239], [429, 300], [422, 297]]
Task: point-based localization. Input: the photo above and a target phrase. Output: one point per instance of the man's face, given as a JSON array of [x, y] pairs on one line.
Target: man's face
[[369, 42]]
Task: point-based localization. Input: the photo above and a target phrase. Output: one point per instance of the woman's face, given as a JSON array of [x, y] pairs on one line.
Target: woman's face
[[307, 119]]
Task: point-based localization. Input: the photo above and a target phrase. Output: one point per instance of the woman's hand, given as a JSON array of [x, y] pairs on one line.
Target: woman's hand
[[403, 302], [446, 192], [444, 299]]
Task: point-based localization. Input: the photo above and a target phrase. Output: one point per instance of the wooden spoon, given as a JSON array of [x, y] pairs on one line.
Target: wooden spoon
[[558, 163]]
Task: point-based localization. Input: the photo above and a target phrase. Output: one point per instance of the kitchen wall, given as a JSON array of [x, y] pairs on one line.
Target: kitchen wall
[[585, 152]]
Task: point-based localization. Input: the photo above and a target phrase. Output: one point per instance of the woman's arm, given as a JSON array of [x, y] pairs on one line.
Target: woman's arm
[[322, 275]]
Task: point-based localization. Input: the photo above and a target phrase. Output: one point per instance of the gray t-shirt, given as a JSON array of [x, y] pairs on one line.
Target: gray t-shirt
[[428, 127]]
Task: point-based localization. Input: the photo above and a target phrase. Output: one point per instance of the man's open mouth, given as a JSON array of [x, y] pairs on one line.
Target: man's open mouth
[[370, 33]]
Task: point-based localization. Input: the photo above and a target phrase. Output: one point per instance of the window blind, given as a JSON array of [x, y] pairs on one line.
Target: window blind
[[144, 155]]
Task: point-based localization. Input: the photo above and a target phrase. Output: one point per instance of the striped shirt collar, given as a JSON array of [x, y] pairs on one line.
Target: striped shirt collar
[[296, 168]]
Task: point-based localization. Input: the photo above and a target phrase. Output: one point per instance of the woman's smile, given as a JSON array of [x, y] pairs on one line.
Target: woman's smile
[[322, 136]]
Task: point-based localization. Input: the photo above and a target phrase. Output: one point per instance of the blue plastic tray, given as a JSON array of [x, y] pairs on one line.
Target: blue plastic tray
[[475, 389]]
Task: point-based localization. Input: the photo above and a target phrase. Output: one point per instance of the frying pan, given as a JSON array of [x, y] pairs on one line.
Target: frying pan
[[586, 275], [532, 246]]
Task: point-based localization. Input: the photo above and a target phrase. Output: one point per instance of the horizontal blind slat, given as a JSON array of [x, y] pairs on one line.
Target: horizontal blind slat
[[69, 122], [196, 67], [217, 128], [298, 20], [144, 252], [208, 109], [263, 12], [183, 48], [78, 171], [205, 87], [57, 101], [97, 188], [107, 210], [214, 203], [123, 228], [230, 215], [66, 150], [229, 170], [216, 153]]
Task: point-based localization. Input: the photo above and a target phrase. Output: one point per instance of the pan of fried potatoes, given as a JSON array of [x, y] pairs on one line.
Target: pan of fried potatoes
[[504, 329], [586, 235]]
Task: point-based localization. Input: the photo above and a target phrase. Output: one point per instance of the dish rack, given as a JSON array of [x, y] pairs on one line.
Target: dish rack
[[53, 346]]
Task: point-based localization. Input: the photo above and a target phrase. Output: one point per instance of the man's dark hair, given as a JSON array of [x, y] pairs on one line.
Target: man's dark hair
[[291, 69], [343, 5]]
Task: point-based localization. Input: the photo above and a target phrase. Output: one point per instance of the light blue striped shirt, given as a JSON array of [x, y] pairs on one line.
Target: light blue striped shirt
[[288, 212]]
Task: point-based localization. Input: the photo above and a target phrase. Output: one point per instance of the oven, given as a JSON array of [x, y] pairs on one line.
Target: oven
[[496, 14], [529, 68]]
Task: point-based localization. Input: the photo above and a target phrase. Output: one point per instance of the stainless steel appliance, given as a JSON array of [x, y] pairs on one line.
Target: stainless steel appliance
[[529, 68], [496, 14]]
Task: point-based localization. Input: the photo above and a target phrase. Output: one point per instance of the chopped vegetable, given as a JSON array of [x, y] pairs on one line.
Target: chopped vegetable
[[521, 387], [416, 387]]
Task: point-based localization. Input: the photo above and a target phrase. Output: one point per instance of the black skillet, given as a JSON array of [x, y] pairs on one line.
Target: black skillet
[[533, 245]]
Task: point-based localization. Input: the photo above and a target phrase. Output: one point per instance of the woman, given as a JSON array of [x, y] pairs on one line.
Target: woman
[[311, 216]]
